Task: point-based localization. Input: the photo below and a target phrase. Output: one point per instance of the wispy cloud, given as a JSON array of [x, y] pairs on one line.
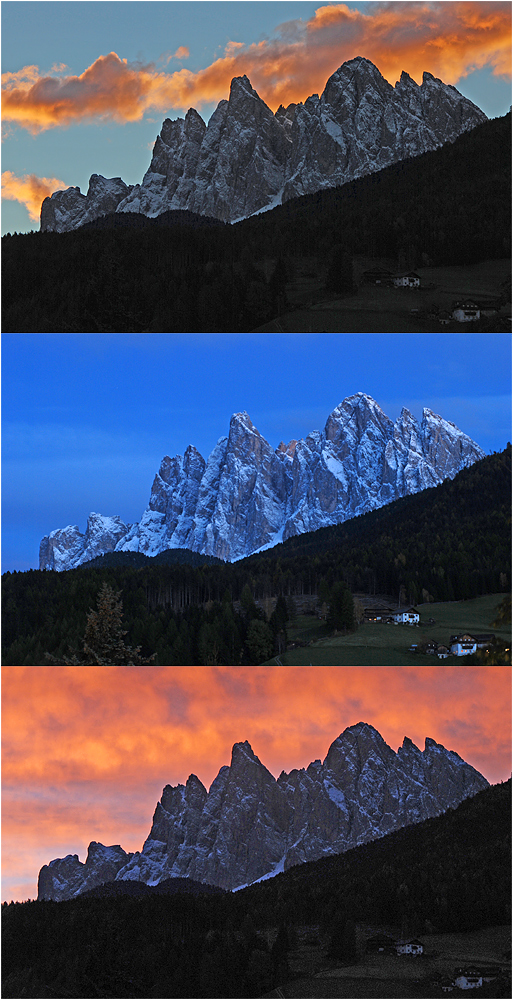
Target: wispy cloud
[[30, 190], [449, 40]]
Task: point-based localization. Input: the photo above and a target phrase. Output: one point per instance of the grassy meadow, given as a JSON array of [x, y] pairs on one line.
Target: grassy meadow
[[373, 309], [376, 644], [392, 976]]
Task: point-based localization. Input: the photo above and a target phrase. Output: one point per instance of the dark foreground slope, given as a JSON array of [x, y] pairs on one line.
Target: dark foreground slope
[[450, 206], [449, 874], [452, 542]]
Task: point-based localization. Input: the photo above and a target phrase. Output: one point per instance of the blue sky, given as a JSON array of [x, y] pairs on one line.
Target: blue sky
[[287, 49], [87, 418]]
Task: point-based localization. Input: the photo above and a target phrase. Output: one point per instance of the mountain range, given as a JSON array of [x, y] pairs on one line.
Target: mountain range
[[247, 159], [249, 825], [249, 496]]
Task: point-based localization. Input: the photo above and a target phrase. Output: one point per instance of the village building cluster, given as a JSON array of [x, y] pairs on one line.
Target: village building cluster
[[461, 644], [468, 310], [463, 978]]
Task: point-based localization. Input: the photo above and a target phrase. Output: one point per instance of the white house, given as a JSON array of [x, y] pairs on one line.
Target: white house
[[409, 280], [470, 979], [406, 615], [413, 947], [463, 645], [466, 312]]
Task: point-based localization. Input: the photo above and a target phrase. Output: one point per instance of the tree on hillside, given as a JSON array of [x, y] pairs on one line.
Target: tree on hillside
[[341, 612], [103, 643], [503, 616], [259, 641], [339, 277]]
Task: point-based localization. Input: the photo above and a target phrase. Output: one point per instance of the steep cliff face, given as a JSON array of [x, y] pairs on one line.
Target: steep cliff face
[[247, 158], [249, 496], [69, 209], [249, 825], [68, 877], [65, 548]]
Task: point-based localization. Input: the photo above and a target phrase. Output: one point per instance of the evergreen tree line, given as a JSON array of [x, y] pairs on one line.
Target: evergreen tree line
[[452, 542], [451, 206], [448, 874]]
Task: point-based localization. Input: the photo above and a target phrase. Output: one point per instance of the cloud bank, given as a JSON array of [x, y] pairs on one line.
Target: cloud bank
[[449, 40]]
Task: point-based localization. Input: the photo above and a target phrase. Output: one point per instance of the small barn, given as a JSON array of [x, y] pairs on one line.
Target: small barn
[[380, 944]]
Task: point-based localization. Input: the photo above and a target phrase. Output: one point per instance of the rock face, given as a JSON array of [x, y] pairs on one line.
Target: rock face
[[67, 877], [67, 547], [69, 209], [249, 496], [250, 825], [247, 158]]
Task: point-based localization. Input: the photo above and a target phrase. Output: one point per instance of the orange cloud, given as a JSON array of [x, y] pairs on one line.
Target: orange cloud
[[449, 40], [87, 752], [29, 190]]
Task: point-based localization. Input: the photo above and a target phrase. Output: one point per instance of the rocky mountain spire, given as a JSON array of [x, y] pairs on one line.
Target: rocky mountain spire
[[247, 159], [249, 496], [249, 825]]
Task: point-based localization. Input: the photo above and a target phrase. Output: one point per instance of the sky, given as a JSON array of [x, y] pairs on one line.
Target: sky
[[87, 418], [86, 753], [86, 85]]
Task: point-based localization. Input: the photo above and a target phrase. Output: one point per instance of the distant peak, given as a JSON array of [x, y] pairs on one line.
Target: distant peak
[[241, 83], [242, 419], [243, 751]]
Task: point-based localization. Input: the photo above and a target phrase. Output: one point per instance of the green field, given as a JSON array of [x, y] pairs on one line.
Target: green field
[[374, 309], [375, 644]]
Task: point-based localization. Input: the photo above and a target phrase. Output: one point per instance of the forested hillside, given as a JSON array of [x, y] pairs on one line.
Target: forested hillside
[[452, 542], [449, 874], [450, 206]]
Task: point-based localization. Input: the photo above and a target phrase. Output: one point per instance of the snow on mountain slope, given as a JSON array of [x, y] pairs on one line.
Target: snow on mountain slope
[[248, 496]]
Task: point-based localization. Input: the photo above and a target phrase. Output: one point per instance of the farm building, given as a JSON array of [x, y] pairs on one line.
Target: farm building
[[412, 947], [463, 645], [380, 944], [466, 312], [409, 280], [406, 616], [468, 979], [378, 614], [377, 276], [484, 640]]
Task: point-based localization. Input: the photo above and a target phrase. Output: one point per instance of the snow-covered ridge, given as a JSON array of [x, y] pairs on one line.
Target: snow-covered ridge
[[250, 825], [248, 159], [248, 496]]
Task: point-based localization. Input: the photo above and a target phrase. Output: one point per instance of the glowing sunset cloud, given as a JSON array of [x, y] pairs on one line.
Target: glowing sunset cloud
[[30, 190], [87, 752], [449, 40]]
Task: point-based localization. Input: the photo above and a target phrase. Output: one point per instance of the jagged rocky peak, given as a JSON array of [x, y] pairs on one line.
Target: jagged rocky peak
[[69, 209], [248, 496], [67, 877], [249, 825], [247, 159]]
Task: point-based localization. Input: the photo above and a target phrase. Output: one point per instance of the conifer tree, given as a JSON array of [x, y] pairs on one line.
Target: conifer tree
[[103, 643]]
